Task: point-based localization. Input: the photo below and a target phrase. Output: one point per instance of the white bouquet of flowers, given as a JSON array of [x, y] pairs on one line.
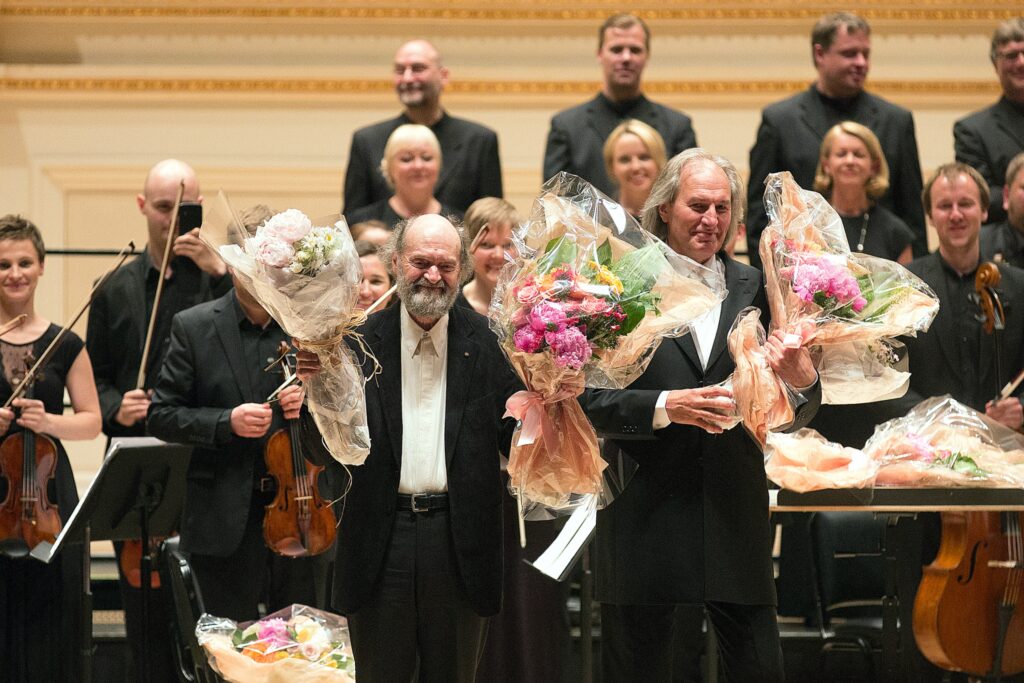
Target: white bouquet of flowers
[[306, 274]]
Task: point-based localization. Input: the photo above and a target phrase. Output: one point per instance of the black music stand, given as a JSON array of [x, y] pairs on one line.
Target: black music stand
[[137, 493]]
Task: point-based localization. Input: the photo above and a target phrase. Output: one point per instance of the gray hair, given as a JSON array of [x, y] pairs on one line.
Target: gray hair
[[1010, 31], [666, 187], [395, 246]]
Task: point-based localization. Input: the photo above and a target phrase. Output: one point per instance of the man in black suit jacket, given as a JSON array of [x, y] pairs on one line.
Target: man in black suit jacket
[[791, 131], [989, 138], [577, 135], [955, 356], [211, 394], [418, 564], [691, 527], [470, 169], [118, 320], [1004, 242]]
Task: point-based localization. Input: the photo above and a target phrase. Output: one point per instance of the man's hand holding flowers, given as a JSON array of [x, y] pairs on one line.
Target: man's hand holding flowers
[[710, 408], [793, 365]]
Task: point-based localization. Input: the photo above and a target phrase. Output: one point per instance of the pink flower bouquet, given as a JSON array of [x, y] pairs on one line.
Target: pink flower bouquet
[[306, 274], [585, 303], [297, 643]]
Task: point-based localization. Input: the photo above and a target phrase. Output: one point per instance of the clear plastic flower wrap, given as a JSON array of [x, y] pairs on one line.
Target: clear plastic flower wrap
[[807, 461], [306, 274], [821, 293], [585, 303], [941, 442], [862, 371], [296, 644], [763, 400]]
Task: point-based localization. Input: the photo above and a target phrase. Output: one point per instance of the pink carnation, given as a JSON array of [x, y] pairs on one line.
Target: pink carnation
[[591, 305], [274, 253], [547, 317], [572, 350], [288, 226], [816, 275], [527, 340], [275, 632]]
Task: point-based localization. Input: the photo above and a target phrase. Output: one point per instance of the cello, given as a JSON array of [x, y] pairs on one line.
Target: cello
[[967, 614], [298, 523]]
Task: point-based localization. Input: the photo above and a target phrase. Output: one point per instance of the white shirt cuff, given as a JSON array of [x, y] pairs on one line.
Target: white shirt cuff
[[660, 414]]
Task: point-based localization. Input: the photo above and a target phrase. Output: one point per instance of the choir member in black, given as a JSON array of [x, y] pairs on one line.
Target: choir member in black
[[211, 394], [411, 166], [529, 639], [634, 155], [1004, 241], [118, 320], [40, 604], [376, 278]]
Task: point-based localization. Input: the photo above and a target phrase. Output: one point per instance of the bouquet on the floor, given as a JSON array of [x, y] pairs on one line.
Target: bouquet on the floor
[[306, 274], [585, 303], [822, 294], [763, 401], [297, 643]]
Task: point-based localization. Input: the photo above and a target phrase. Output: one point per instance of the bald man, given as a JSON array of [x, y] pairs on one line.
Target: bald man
[[118, 320], [470, 166], [418, 565]]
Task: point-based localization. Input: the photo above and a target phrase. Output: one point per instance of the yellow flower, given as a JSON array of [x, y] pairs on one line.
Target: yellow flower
[[330, 663], [606, 277]]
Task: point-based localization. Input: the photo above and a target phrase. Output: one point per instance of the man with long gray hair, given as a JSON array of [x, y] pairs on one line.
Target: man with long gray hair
[[692, 526]]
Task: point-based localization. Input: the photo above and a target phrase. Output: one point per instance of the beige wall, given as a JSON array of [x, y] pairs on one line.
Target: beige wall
[[262, 97]]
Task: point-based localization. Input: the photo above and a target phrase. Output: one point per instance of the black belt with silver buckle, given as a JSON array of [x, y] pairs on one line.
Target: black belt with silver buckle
[[422, 502]]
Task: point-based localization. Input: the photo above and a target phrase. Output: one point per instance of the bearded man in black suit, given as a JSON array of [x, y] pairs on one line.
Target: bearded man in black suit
[[577, 135], [418, 566], [471, 168], [791, 131], [691, 527], [988, 139]]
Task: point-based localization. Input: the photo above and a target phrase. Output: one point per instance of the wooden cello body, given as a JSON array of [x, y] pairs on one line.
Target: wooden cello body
[[962, 593]]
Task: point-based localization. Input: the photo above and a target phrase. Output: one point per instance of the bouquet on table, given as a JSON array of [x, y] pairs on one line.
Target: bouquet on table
[[297, 643], [822, 294], [940, 442], [306, 274], [585, 303]]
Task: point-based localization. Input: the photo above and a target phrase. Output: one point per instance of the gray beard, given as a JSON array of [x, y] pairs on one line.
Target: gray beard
[[426, 302]]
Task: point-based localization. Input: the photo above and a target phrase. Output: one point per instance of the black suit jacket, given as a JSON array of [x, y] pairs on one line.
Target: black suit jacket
[[789, 139], [470, 167], [577, 136], [692, 524], [987, 140], [479, 381], [204, 376], [117, 332], [933, 371]]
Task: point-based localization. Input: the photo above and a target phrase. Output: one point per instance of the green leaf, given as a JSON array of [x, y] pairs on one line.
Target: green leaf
[[639, 269], [559, 251], [604, 253], [635, 312]]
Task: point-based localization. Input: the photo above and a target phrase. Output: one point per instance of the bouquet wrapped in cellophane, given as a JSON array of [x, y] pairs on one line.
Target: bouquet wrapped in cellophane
[[939, 443], [942, 442], [819, 289], [297, 643], [764, 401], [584, 303], [306, 274]]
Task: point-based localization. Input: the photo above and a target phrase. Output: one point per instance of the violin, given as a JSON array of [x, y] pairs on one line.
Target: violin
[[27, 514], [298, 523], [966, 613]]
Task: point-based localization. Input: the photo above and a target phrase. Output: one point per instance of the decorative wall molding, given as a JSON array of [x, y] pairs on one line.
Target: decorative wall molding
[[525, 10]]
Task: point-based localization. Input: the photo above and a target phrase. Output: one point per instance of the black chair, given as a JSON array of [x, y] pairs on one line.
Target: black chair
[[849, 586], [187, 607]]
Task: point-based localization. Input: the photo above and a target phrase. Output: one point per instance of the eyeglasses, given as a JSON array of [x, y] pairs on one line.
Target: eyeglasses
[[1011, 55]]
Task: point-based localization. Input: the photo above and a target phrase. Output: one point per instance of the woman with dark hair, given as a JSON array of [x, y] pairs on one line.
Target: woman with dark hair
[[40, 613]]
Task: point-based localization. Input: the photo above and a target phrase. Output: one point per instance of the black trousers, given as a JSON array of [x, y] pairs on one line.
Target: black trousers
[[419, 615], [637, 641], [233, 586]]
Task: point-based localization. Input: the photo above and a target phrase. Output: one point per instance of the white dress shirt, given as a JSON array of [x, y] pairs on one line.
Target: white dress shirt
[[424, 390]]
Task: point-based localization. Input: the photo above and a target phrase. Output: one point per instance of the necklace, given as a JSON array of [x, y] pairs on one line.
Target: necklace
[[863, 232]]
